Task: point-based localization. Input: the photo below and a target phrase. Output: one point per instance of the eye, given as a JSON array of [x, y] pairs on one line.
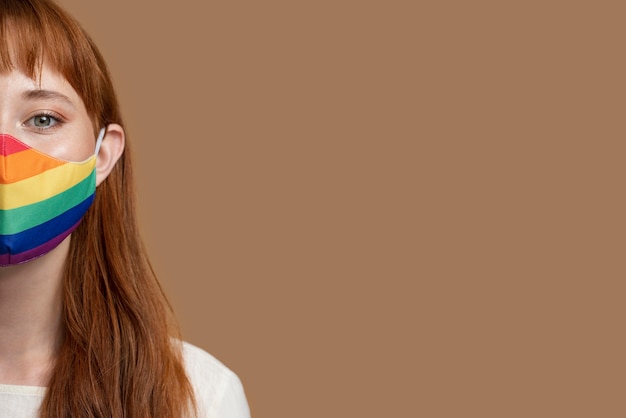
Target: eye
[[43, 121]]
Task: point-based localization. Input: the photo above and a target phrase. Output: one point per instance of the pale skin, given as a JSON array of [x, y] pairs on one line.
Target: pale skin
[[50, 116]]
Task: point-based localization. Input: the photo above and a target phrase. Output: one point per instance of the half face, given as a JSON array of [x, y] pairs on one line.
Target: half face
[[46, 114]]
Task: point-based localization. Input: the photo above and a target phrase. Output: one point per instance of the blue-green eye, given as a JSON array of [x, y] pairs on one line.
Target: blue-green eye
[[43, 121]]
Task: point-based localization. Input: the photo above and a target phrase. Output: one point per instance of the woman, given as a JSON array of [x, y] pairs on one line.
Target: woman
[[85, 330]]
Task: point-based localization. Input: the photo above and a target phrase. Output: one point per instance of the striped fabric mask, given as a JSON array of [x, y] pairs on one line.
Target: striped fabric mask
[[42, 199]]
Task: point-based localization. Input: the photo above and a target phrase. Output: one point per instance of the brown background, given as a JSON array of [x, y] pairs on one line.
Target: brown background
[[375, 209]]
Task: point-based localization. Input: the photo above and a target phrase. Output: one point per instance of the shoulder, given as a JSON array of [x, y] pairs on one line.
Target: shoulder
[[219, 392]]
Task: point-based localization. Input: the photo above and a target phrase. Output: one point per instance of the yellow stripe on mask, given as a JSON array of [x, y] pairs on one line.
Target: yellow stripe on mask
[[45, 185]]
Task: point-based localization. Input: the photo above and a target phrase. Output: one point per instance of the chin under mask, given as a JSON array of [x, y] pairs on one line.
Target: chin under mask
[[42, 199]]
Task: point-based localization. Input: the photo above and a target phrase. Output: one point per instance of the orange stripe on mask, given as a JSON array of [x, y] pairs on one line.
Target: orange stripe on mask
[[23, 165]]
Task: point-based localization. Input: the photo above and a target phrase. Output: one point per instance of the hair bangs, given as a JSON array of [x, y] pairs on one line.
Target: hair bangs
[[35, 33]]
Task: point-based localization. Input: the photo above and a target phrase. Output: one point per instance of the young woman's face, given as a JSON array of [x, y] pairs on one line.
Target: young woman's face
[[46, 114]]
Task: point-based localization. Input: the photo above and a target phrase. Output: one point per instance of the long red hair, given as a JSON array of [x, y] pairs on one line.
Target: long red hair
[[120, 355]]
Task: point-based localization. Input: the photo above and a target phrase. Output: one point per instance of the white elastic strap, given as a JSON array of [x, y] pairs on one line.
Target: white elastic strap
[[99, 140]]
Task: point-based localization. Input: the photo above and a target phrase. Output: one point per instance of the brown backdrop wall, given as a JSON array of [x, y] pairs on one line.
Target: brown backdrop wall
[[377, 209]]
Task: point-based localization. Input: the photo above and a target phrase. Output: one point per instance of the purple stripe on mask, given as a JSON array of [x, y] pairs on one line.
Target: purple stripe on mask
[[10, 259]]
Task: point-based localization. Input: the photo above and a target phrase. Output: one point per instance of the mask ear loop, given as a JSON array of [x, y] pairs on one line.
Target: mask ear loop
[[99, 141]]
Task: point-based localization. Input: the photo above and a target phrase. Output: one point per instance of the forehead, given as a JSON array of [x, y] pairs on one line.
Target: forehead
[[17, 82]]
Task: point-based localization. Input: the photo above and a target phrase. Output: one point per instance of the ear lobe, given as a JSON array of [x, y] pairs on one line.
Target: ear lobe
[[111, 150]]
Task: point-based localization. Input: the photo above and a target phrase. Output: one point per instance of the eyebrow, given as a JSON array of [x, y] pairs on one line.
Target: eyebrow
[[46, 94]]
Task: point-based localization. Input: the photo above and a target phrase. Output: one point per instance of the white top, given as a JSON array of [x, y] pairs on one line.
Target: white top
[[218, 390]]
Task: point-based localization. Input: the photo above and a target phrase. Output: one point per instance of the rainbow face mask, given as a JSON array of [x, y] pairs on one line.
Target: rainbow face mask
[[42, 199]]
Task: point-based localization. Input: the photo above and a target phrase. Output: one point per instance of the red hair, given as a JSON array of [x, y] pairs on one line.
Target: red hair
[[120, 355]]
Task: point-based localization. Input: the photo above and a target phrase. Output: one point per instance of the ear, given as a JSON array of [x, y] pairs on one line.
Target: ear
[[111, 150]]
